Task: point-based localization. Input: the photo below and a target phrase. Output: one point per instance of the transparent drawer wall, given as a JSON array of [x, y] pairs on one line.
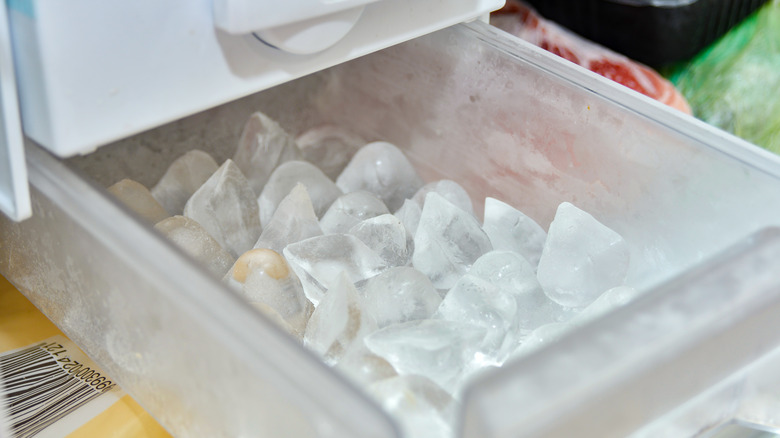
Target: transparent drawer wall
[[506, 120]]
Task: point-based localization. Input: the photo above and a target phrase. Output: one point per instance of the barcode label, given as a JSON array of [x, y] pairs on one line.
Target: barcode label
[[46, 383]]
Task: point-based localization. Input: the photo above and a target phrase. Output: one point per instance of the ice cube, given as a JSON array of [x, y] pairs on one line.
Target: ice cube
[[549, 333], [262, 275], [382, 169], [363, 366], [386, 236], [543, 335], [449, 190], [322, 190], [329, 147], [349, 209], [477, 302], [196, 241], [274, 316], [138, 198], [512, 273], [581, 258], [183, 178], [409, 214], [338, 321], [263, 146], [507, 270], [226, 207], [319, 261], [294, 220], [436, 349], [423, 408], [607, 302], [448, 241], [509, 229], [399, 295]]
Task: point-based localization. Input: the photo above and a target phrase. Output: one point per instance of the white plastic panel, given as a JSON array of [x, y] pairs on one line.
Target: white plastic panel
[[245, 16], [14, 193], [93, 71]]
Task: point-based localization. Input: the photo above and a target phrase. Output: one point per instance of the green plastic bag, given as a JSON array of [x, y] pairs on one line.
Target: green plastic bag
[[735, 83]]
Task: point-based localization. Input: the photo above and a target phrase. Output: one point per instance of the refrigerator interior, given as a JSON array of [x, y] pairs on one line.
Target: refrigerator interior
[[467, 103]]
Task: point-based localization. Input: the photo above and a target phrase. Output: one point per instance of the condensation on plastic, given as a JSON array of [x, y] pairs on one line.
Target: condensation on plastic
[[468, 103]]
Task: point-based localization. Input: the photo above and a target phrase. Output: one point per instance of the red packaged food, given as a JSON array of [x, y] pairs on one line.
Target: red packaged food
[[520, 20]]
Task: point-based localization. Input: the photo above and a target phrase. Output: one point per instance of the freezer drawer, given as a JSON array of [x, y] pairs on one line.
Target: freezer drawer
[[467, 103]]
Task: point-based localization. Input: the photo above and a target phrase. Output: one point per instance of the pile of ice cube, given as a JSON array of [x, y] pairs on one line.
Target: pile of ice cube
[[391, 280]]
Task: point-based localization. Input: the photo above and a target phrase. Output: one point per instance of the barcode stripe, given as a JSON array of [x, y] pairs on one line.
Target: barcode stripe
[[62, 397], [10, 359], [33, 389], [26, 382], [21, 385], [42, 394], [13, 356], [38, 427], [21, 361], [38, 391], [27, 369]]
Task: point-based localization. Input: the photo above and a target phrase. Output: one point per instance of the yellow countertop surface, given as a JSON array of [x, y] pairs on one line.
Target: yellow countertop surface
[[22, 324]]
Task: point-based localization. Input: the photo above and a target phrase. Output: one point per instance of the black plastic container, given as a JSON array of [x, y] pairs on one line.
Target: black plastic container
[[655, 32]]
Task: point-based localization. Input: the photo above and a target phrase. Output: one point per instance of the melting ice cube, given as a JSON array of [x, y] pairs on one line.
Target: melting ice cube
[[382, 169], [512, 273], [386, 236], [274, 316], [543, 335], [448, 241], [262, 275], [226, 207], [549, 333], [477, 302], [138, 198], [294, 220], [196, 241], [263, 146], [409, 214], [436, 349], [424, 409], [509, 229], [398, 295], [608, 301], [507, 270], [329, 147], [319, 261], [322, 190], [364, 366], [183, 178], [338, 321], [349, 209], [581, 259], [449, 190]]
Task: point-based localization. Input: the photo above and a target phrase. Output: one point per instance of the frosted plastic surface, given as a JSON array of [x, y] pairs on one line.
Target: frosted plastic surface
[[748, 399], [503, 119], [192, 353], [622, 372]]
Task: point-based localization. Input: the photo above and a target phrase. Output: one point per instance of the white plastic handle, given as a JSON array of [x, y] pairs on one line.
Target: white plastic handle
[[248, 16]]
